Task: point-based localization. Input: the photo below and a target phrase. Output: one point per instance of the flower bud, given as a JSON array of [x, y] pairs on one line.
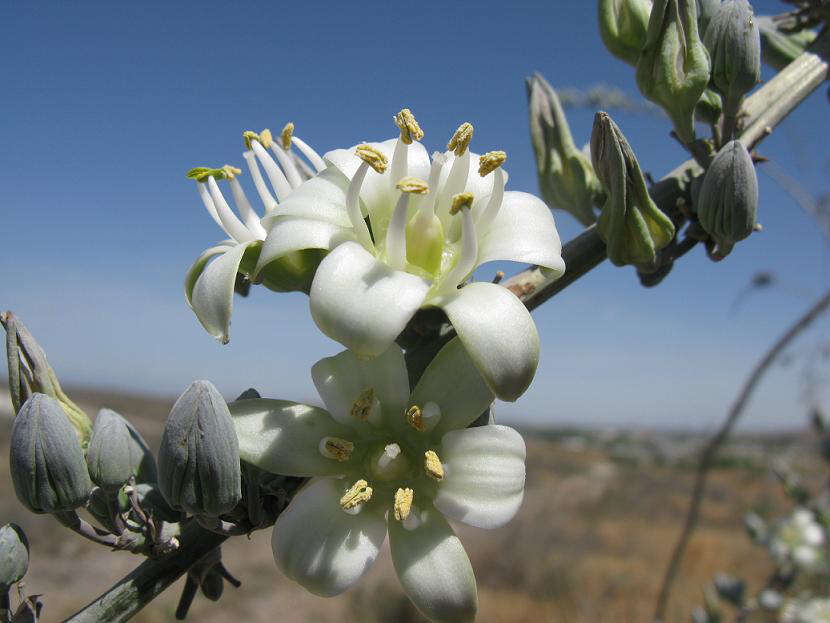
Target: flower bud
[[30, 372], [706, 10], [117, 451], [631, 224], [734, 46], [622, 26], [709, 107], [566, 178], [673, 69], [46, 461], [779, 49], [199, 469], [14, 555], [727, 204]]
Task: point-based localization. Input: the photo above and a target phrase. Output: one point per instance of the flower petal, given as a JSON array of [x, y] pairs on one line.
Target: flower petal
[[341, 379], [212, 294], [484, 475], [523, 231], [283, 437], [361, 302], [295, 233], [319, 545], [198, 266], [452, 381], [321, 197], [499, 334], [433, 568]]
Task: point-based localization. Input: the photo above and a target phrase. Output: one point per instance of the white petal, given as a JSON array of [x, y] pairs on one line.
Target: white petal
[[434, 569], [523, 231], [212, 297], [295, 233], [283, 437], [452, 381], [361, 302], [485, 475], [321, 546], [341, 379], [499, 334], [199, 265], [322, 197]]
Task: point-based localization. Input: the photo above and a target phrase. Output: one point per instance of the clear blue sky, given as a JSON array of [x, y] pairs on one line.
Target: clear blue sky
[[107, 105]]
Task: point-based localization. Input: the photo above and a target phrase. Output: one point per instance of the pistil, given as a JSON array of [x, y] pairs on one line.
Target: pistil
[[396, 232]]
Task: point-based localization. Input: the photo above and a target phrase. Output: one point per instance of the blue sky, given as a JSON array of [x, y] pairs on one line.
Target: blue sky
[[107, 105]]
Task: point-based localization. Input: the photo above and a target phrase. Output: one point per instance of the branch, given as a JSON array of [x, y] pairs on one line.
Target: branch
[[710, 451]]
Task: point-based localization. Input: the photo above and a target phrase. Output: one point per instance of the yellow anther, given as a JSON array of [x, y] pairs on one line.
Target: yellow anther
[[285, 135], [411, 184], [415, 419], [461, 200], [248, 136], [410, 130], [362, 407], [336, 448], [265, 138], [432, 466], [489, 162], [460, 141], [231, 172], [403, 503], [359, 493], [371, 156]]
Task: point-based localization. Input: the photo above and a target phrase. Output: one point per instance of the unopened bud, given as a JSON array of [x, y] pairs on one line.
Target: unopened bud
[[706, 10], [46, 461], [673, 68], [14, 555], [566, 178], [727, 204], [709, 107], [622, 26], [631, 224], [116, 452], [199, 469]]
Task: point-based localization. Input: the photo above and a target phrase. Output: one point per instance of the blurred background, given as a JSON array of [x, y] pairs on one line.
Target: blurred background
[[107, 105]]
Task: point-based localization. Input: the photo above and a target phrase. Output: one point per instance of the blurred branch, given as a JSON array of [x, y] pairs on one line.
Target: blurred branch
[[817, 209], [710, 451]]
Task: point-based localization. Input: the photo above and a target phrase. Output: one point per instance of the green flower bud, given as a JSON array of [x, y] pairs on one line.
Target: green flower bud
[[734, 46], [46, 461], [709, 107], [631, 224], [117, 451], [199, 469], [706, 10], [622, 26], [566, 178], [30, 372], [673, 69], [727, 204], [779, 49], [14, 555]]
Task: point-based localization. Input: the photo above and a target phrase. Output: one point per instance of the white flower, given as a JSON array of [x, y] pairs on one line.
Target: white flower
[[430, 224], [209, 285], [798, 540], [816, 610], [384, 459]]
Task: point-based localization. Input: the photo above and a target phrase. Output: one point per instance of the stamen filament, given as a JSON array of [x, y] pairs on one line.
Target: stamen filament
[[312, 156], [262, 190], [428, 202], [491, 210], [469, 250], [205, 197], [396, 232], [358, 493], [277, 177], [399, 160], [456, 181], [232, 224], [250, 218], [353, 208], [292, 173]]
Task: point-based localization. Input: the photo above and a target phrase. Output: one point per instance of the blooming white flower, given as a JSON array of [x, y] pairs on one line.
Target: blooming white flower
[[404, 232], [209, 285], [384, 459], [798, 540], [815, 610]]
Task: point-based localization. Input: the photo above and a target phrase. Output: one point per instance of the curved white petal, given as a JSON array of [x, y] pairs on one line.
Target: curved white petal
[[484, 479], [295, 233], [198, 266], [341, 379], [452, 381], [321, 546], [321, 197], [433, 568], [523, 231], [361, 302], [212, 295], [499, 334], [283, 437]]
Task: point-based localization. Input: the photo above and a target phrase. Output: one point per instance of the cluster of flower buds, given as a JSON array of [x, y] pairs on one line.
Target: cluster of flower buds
[[566, 178], [631, 224]]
